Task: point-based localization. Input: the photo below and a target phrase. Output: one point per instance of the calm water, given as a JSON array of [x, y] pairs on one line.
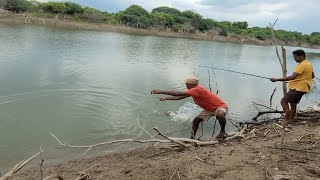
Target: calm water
[[87, 87]]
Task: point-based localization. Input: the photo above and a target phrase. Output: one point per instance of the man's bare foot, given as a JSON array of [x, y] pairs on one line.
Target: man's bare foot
[[288, 127], [221, 136]]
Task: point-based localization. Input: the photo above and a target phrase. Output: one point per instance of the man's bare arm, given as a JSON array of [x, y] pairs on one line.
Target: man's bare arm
[[174, 98], [172, 92], [288, 78]]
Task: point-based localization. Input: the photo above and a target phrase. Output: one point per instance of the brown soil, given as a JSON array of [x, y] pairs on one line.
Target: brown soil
[[253, 158], [8, 17]]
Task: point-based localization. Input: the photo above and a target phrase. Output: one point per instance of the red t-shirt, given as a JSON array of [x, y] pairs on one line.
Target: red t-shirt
[[205, 99]]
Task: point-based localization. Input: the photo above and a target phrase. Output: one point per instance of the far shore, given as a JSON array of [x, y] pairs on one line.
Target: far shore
[[6, 17]]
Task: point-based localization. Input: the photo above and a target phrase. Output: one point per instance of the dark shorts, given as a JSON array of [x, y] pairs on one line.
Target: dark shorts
[[293, 96]]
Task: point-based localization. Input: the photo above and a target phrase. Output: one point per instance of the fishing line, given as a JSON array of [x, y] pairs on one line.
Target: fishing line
[[215, 78], [263, 77]]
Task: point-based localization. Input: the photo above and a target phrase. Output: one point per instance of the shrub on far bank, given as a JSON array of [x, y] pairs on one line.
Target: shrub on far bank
[[161, 17]]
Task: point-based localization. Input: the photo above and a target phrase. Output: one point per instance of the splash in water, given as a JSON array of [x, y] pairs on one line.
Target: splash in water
[[186, 112]]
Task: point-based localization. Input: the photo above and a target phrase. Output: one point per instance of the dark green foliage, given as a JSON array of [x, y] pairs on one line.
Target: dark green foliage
[[240, 25], [161, 18], [136, 16], [176, 27], [54, 7], [180, 19], [210, 23], [167, 10], [191, 15], [94, 15], [315, 34], [17, 5], [73, 8], [136, 10]]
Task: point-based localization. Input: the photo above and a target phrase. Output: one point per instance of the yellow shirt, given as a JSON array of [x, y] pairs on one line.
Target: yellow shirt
[[303, 81]]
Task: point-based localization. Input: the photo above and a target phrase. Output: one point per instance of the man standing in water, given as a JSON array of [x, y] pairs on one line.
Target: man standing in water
[[299, 84], [212, 105]]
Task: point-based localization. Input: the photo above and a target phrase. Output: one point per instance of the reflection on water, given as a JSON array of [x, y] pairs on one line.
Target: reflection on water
[[87, 87]]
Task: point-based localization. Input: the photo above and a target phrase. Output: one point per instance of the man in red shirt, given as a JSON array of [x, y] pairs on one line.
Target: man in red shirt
[[211, 104]]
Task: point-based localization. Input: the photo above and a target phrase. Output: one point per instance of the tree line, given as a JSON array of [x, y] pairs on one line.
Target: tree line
[[161, 17]]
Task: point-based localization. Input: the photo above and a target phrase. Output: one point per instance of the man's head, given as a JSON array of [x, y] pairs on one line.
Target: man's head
[[191, 81], [299, 55]]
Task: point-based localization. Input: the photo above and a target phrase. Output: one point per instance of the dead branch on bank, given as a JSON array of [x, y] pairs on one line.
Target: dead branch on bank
[[266, 112], [18, 166], [175, 140], [108, 142]]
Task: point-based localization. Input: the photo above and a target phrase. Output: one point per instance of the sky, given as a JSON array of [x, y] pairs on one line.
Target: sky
[[293, 15]]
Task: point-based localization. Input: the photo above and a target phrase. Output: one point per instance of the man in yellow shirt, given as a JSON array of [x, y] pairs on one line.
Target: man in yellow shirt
[[299, 84]]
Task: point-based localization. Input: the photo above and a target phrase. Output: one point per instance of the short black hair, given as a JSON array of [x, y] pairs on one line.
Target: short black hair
[[299, 52]]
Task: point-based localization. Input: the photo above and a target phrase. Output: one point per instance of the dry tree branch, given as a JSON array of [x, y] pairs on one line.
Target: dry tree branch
[[265, 112], [108, 142], [172, 139], [275, 41], [18, 166], [274, 90]]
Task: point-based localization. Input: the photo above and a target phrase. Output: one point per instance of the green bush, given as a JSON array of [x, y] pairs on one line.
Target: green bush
[[73, 8], [54, 7], [17, 5], [176, 27]]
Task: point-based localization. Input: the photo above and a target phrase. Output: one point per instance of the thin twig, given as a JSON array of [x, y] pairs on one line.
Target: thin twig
[[215, 77], [178, 174], [152, 137], [173, 173], [275, 41], [274, 90], [41, 172], [263, 105], [209, 81], [143, 128]]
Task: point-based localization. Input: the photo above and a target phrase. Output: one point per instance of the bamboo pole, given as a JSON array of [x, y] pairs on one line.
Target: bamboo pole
[[284, 69]]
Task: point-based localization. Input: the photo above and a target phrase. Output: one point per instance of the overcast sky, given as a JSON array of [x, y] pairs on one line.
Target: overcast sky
[[294, 15]]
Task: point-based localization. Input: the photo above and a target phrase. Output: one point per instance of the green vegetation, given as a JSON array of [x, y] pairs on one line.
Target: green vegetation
[[160, 17]]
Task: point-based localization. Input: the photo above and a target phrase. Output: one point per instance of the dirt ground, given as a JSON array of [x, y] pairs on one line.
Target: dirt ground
[[254, 158]]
